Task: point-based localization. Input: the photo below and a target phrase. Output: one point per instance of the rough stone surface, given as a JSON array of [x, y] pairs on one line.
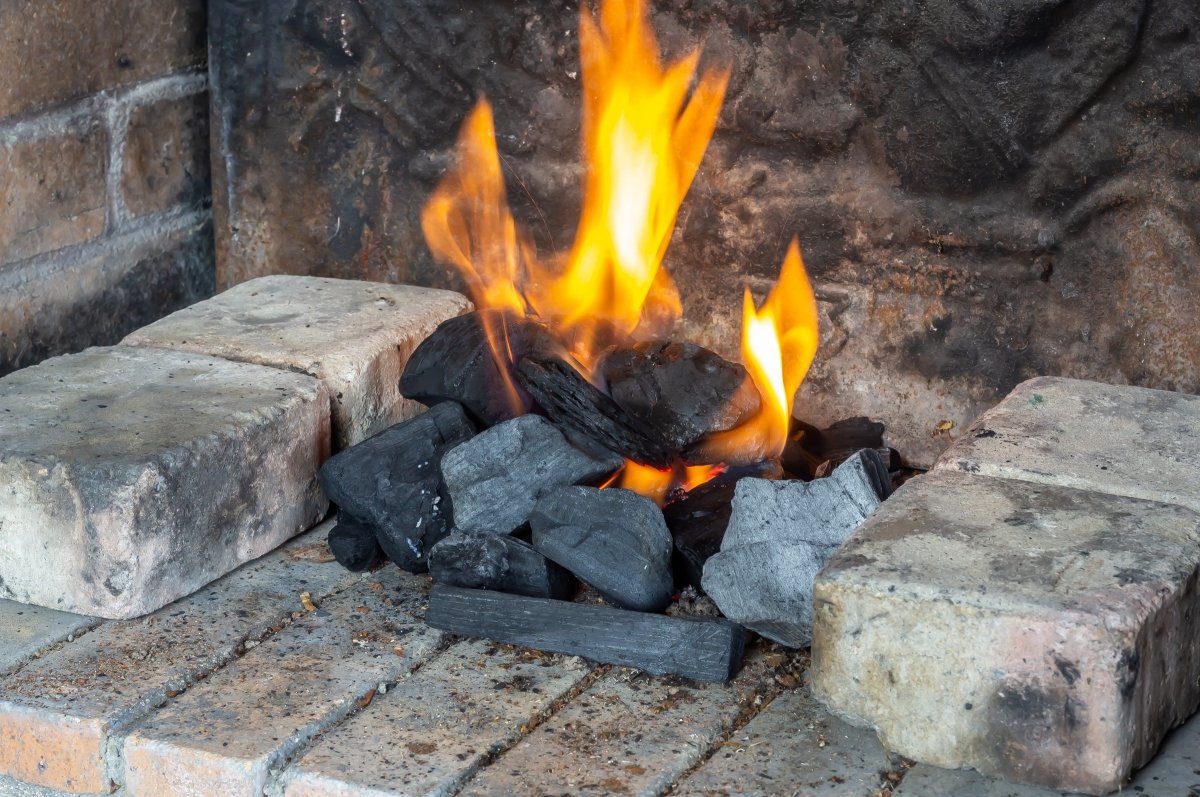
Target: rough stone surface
[[52, 192], [435, 729], [222, 736], [63, 713], [779, 535], [793, 747], [1043, 634], [165, 163], [1113, 439], [136, 476], [353, 336], [614, 540], [496, 477], [983, 192], [26, 630], [78, 52], [500, 562]]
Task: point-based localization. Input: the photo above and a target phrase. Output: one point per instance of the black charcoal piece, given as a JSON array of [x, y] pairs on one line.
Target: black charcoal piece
[[457, 363], [682, 391], [499, 562], [495, 478], [616, 541], [575, 403], [780, 533], [353, 544], [391, 482], [811, 452], [703, 648]]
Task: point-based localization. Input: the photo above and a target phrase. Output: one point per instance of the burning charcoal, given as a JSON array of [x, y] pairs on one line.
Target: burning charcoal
[[354, 545], [614, 540], [810, 450], [779, 536], [570, 400], [500, 562], [703, 648], [391, 482], [496, 477], [682, 391], [456, 362]]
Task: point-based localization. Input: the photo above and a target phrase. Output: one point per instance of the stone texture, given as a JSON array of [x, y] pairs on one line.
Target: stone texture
[[1038, 633], [496, 477], [614, 540], [27, 630], [983, 192], [62, 715], [434, 730], [353, 336], [136, 476], [165, 162], [793, 747], [1109, 438], [52, 188], [65, 49], [96, 296], [221, 737]]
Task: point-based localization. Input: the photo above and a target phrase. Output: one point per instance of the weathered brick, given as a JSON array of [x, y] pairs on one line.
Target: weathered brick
[[62, 715], [52, 188], [63, 49], [165, 161], [1109, 438], [135, 476], [222, 737], [353, 336], [792, 747], [26, 630], [436, 728], [1043, 634]]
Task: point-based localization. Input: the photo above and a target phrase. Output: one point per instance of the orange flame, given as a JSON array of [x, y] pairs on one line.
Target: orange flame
[[657, 484]]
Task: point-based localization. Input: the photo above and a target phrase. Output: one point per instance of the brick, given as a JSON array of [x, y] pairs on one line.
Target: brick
[[1113, 439], [52, 188], [626, 734], [135, 476], [64, 49], [103, 292], [792, 747], [466, 705], [353, 336], [26, 630], [222, 737], [165, 162], [62, 715], [1037, 633]]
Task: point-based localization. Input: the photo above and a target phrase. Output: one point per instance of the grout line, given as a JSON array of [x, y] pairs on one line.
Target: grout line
[[50, 647], [116, 119]]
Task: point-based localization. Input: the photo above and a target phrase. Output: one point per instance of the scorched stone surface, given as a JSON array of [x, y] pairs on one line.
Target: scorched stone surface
[[354, 336], [1039, 633], [130, 477]]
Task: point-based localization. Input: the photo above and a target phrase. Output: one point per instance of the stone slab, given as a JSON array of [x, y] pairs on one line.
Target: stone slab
[[793, 747], [62, 716], [223, 736], [26, 630], [1109, 438], [435, 729], [354, 336], [130, 477], [1046, 635]]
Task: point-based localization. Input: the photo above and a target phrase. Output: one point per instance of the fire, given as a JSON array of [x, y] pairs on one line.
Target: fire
[[645, 129], [662, 485]]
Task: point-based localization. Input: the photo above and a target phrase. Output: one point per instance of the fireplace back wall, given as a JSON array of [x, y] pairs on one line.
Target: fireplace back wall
[[984, 191]]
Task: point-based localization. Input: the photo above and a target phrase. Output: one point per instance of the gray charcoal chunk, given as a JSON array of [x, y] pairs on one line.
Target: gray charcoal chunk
[[499, 562], [767, 587], [495, 478], [614, 540]]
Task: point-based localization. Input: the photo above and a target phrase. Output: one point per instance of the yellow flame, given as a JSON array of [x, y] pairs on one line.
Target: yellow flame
[[656, 484]]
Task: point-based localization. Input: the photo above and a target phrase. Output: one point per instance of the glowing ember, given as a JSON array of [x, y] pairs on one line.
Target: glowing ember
[[661, 486]]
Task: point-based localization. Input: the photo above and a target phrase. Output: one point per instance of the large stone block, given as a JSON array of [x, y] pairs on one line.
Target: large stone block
[[130, 477], [1043, 634], [353, 336], [1110, 438]]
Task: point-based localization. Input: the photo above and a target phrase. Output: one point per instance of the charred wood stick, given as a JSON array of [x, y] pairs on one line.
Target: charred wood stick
[[702, 648]]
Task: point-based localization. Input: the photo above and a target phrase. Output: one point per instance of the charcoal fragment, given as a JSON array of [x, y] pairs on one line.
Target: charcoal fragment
[[354, 544], [499, 562]]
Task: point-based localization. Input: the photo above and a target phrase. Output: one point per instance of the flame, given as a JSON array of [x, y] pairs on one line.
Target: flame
[[662, 485]]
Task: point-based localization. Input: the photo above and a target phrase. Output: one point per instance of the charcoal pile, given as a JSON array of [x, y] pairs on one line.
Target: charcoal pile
[[510, 492]]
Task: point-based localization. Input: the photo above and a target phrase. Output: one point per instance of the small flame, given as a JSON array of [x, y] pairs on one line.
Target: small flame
[[662, 485]]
